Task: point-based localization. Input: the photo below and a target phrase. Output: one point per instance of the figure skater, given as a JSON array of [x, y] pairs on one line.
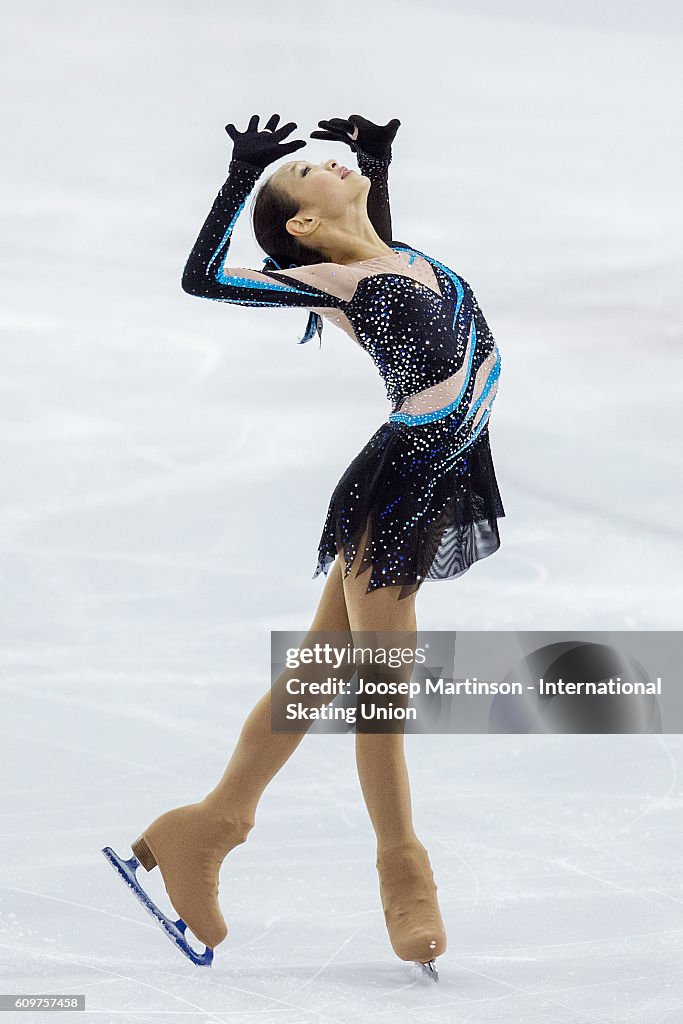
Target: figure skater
[[420, 502]]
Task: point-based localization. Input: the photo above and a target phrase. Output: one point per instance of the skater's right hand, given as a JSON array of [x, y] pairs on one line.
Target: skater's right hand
[[261, 148], [359, 133]]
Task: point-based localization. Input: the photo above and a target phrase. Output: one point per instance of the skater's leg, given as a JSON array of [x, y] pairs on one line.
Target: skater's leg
[[407, 888], [260, 752], [189, 843], [380, 757]]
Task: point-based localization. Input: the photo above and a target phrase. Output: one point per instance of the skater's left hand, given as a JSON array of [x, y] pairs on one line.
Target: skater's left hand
[[359, 133]]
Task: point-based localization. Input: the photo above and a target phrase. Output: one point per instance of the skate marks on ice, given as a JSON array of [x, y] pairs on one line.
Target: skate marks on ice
[[554, 862]]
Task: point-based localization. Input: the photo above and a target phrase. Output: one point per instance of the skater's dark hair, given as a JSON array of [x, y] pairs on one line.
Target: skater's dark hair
[[271, 209]]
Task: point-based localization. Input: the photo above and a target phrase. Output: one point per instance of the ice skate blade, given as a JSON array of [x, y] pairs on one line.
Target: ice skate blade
[[428, 970], [175, 930]]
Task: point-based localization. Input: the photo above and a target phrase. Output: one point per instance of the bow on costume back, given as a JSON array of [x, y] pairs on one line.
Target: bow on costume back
[[315, 321]]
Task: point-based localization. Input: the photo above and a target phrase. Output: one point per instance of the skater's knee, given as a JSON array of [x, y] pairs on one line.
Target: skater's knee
[[377, 610]]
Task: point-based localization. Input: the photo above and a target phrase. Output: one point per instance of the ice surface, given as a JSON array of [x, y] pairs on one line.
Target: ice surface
[[166, 467]]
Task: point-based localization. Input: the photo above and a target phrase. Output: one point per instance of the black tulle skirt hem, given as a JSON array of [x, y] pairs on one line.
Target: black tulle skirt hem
[[430, 510]]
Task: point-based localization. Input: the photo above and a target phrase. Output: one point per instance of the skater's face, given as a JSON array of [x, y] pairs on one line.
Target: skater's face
[[323, 192]]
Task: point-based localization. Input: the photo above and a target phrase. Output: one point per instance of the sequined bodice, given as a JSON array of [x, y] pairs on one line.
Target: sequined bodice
[[416, 337], [409, 331]]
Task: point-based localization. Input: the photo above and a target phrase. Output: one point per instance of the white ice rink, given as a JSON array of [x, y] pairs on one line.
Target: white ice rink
[[167, 463]]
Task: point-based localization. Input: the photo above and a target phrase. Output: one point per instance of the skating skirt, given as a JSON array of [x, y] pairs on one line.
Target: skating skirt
[[428, 496]]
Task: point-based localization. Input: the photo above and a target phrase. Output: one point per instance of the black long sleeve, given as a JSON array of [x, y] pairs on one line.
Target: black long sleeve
[[379, 209], [206, 276]]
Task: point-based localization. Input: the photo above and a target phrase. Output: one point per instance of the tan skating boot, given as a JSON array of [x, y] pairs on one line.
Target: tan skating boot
[[411, 910], [189, 844]]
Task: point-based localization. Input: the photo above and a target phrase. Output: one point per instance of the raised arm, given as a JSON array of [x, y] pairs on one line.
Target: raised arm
[[379, 210], [205, 273]]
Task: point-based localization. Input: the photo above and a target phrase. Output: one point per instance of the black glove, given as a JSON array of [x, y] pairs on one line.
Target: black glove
[[260, 148], [359, 133]]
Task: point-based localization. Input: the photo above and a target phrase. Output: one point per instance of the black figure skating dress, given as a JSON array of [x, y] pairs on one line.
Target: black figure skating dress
[[424, 483]]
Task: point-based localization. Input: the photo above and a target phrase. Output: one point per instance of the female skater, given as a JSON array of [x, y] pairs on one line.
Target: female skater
[[419, 502]]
